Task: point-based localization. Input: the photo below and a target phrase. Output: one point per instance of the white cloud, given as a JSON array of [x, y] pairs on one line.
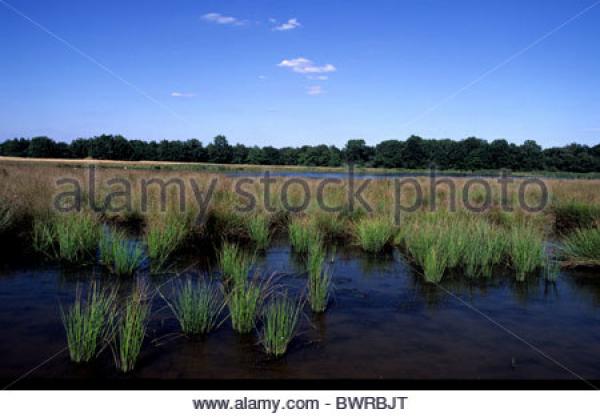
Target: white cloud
[[222, 20], [262, 77], [289, 25], [314, 90], [182, 94], [305, 66], [317, 77]]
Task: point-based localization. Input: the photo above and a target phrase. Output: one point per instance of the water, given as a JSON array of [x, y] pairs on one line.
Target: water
[[384, 323]]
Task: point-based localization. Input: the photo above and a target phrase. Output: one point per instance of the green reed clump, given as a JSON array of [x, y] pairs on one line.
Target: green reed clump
[[70, 238], [121, 256], [131, 328], [301, 233], [485, 247], [88, 322], [280, 323], [163, 238], [582, 247], [319, 278], [197, 306], [575, 214], [526, 250], [244, 302], [259, 230], [235, 264], [434, 265], [374, 233], [330, 225]]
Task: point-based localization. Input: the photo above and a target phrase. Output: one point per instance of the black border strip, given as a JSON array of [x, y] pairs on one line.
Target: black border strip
[[286, 384]]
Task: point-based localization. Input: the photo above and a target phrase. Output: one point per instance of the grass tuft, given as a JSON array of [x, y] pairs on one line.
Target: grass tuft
[[88, 322], [71, 238], [163, 238], [319, 278], [244, 302], [374, 233], [235, 264], [121, 256], [132, 328], [526, 250], [280, 323], [197, 306], [301, 233], [258, 231], [582, 247]]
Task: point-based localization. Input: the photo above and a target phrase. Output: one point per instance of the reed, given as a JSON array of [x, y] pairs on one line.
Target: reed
[[373, 234], [573, 214], [71, 238], [88, 322], [485, 247], [319, 278], [235, 264], [258, 231], [121, 256], [582, 247], [197, 306], [280, 324], [245, 302], [526, 250], [163, 238], [301, 233], [132, 327]]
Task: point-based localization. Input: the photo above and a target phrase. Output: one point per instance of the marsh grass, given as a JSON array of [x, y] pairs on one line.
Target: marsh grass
[[526, 250], [70, 238], [280, 323], [131, 328], [197, 306], [319, 278], [582, 247], [163, 238], [89, 322], [245, 301], [301, 233], [121, 256], [235, 264], [485, 247], [259, 230], [574, 214], [373, 234]]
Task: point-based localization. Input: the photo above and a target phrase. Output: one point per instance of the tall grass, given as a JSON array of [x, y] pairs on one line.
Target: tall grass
[[280, 323], [70, 238], [131, 328], [301, 233], [582, 247], [197, 306], [526, 250], [235, 264], [121, 256], [319, 278], [163, 238], [374, 233], [574, 214], [485, 246], [258, 230], [89, 321], [245, 301]]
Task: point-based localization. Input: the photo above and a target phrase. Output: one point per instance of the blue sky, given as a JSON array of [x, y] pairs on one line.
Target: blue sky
[[301, 72]]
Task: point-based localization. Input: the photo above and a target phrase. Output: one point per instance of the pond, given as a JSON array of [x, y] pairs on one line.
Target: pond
[[385, 323]]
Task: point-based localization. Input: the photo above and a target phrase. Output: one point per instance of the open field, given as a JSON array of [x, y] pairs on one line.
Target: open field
[[174, 261]]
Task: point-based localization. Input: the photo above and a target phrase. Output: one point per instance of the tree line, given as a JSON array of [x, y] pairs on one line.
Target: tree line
[[470, 154]]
